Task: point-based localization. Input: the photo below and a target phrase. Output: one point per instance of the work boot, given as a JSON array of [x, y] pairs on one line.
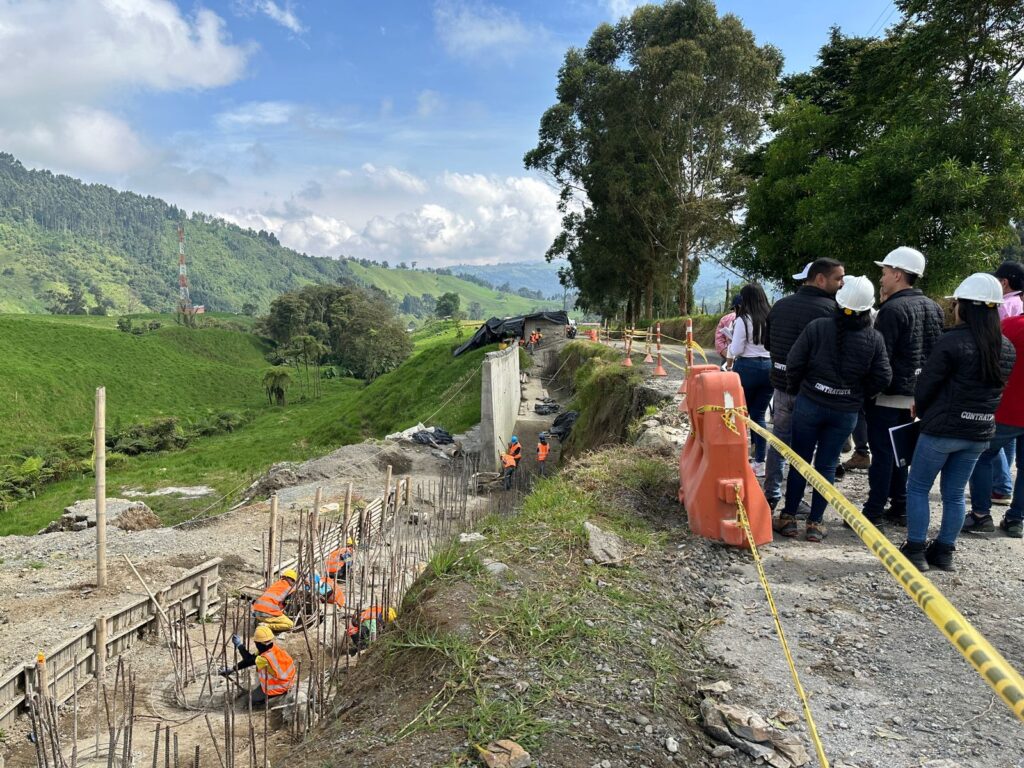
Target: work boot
[[859, 460], [940, 555], [914, 552]]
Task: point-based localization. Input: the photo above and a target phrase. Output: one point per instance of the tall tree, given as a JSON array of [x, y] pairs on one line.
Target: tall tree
[[650, 118], [914, 139]]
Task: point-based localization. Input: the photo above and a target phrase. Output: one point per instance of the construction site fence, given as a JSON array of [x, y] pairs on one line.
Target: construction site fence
[[73, 664]]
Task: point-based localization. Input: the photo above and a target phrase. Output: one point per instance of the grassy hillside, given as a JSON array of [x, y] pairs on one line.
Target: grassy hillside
[[399, 282], [348, 412], [536, 275]]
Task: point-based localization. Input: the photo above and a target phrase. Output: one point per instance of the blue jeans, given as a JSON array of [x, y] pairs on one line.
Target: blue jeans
[[885, 479], [757, 391], [955, 459], [818, 431], [1002, 481], [782, 428], [982, 480]]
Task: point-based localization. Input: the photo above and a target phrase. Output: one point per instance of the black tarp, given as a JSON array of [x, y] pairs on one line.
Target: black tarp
[[496, 329]]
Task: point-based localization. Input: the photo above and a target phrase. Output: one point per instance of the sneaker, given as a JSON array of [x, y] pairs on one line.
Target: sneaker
[[815, 532], [840, 472], [1012, 528], [785, 525], [803, 511], [1002, 499], [976, 522], [896, 516], [940, 556], [758, 467], [858, 461], [914, 552]]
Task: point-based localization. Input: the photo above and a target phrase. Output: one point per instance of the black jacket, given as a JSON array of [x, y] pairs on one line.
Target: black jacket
[[838, 369], [951, 398], [787, 319], [911, 324]]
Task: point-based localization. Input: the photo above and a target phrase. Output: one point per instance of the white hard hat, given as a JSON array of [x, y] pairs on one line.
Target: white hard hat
[[907, 259], [980, 287], [806, 271], [857, 294]]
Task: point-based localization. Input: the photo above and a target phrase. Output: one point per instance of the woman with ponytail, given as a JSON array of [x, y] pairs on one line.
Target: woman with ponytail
[[956, 398], [835, 365], [748, 357]]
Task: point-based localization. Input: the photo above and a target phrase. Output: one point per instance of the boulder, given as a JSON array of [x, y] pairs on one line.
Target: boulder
[[662, 439], [606, 548], [123, 513], [505, 754]]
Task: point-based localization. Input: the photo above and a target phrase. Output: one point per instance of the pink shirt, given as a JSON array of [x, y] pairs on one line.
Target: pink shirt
[[722, 337], [1012, 305]]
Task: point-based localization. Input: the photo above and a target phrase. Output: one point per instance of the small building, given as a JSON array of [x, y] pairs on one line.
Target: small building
[[550, 324]]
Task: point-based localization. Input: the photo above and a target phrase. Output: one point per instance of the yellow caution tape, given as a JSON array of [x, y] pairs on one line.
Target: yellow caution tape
[[741, 514], [995, 670], [698, 349], [728, 415]]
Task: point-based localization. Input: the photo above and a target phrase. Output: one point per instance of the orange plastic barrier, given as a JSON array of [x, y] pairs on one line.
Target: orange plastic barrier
[[714, 461]]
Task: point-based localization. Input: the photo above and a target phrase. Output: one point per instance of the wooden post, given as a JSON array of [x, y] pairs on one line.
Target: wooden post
[[273, 538], [204, 597], [42, 682], [100, 658], [100, 470], [387, 490], [315, 522], [408, 486]]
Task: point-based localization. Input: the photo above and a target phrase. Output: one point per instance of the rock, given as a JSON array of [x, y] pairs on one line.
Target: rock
[[671, 745], [662, 439], [496, 569], [607, 548], [122, 513], [467, 538], [721, 686], [588, 561], [722, 751], [505, 754], [641, 719]]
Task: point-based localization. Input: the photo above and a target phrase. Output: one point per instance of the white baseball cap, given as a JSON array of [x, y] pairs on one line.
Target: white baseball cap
[[803, 275], [907, 259]]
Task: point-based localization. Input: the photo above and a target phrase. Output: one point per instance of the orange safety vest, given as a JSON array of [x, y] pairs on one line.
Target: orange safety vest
[[507, 461], [374, 612], [279, 675], [335, 594], [338, 558], [542, 451], [515, 450], [271, 602]]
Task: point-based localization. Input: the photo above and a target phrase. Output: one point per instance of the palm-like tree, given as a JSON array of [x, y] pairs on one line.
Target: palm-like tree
[[276, 382]]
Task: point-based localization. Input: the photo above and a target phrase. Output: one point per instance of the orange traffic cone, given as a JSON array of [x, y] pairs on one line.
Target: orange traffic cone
[[648, 358], [659, 370], [626, 361]]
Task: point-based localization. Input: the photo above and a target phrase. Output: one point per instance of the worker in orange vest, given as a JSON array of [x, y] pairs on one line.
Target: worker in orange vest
[[508, 468], [268, 609], [369, 624], [515, 450], [274, 666], [542, 452], [338, 560], [330, 591]]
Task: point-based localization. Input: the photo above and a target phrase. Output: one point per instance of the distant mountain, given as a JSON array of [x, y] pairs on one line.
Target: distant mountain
[[532, 275]]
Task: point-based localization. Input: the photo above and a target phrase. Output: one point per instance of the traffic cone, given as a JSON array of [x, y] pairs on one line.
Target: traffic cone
[[648, 358], [626, 362], [660, 369]]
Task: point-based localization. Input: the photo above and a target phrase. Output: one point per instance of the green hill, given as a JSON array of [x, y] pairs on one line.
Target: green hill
[[121, 249]]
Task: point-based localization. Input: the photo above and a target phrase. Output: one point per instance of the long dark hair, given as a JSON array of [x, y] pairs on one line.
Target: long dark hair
[[854, 321], [754, 309], [983, 323]]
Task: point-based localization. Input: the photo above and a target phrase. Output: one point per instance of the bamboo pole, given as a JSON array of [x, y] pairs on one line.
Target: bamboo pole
[[100, 470], [273, 538]]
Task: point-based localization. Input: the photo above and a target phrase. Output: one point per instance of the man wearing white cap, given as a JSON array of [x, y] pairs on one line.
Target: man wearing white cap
[[801, 276], [910, 324]]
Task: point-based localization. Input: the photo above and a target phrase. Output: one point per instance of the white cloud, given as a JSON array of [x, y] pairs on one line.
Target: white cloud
[[283, 15], [470, 30], [307, 232], [62, 60], [390, 177], [619, 8], [256, 113], [427, 103]]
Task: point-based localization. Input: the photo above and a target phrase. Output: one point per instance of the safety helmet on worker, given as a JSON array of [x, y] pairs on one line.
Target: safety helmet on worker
[[289, 573], [350, 542], [856, 295], [906, 259], [543, 436], [514, 439], [263, 634], [981, 288]]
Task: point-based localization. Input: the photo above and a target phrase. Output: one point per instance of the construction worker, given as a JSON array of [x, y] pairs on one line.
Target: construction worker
[[338, 560], [369, 624], [269, 608], [542, 452], [274, 666], [508, 468], [329, 590], [515, 450]]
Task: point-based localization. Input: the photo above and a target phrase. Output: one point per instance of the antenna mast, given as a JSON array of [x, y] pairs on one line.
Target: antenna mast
[[186, 312]]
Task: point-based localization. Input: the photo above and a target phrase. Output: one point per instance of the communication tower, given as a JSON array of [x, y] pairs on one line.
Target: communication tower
[[186, 312]]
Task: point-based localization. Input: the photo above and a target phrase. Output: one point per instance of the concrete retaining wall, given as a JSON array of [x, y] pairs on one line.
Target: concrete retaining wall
[[499, 404]]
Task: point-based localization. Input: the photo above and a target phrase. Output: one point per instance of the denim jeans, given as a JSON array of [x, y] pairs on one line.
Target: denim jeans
[[818, 431], [885, 479], [954, 458], [983, 477], [757, 391], [860, 434], [1002, 480], [782, 426]]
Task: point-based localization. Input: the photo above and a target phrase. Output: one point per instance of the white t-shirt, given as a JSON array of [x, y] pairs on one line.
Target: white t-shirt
[[741, 344]]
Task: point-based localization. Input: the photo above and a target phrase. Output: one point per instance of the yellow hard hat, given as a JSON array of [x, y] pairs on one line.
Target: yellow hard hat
[[263, 634], [392, 614], [289, 573], [350, 542]]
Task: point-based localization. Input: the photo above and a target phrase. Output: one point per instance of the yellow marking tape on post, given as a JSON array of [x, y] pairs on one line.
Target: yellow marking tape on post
[[728, 415], [979, 653], [741, 514]]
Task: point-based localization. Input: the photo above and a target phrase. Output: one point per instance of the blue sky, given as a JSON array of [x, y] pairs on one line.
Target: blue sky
[[390, 130]]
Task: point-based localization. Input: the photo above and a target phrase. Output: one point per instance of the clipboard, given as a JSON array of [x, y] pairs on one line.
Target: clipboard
[[904, 441]]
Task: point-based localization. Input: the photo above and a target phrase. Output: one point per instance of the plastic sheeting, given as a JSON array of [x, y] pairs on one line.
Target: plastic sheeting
[[496, 329]]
